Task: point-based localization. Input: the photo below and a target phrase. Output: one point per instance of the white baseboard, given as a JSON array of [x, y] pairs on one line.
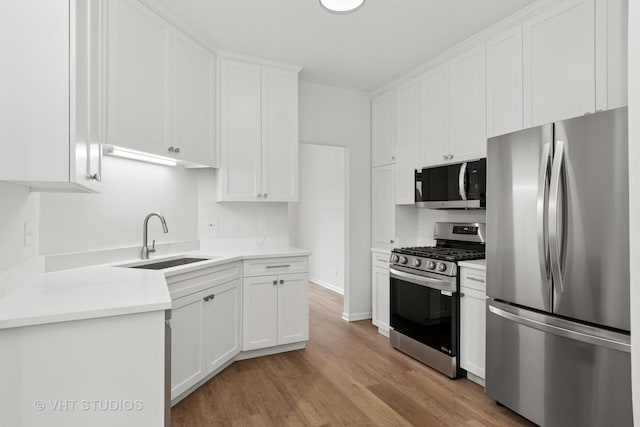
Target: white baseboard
[[327, 285], [354, 317], [476, 379]]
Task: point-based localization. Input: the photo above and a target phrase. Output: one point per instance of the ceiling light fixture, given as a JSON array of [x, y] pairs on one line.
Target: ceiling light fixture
[[138, 155], [342, 6]]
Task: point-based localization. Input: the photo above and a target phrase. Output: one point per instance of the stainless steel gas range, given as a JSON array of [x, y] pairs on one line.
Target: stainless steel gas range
[[425, 299]]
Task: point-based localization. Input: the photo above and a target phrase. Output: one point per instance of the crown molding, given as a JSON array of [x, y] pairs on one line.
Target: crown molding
[[513, 20], [223, 54]]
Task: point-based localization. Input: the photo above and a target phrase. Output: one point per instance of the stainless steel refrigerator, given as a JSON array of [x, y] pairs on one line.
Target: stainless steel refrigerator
[[558, 344]]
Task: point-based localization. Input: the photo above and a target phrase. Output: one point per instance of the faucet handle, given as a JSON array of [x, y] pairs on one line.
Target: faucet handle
[[153, 246]]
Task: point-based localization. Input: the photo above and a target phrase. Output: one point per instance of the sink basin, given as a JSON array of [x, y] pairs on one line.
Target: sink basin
[[161, 265]]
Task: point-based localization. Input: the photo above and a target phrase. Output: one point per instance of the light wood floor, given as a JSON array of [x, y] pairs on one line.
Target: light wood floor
[[347, 375]]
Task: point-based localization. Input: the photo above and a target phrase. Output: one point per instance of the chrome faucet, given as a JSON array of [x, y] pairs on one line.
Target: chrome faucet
[[145, 249]]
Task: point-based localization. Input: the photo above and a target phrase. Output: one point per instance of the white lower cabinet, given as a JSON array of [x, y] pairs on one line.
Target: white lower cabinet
[[205, 329], [473, 323], [276, 310], [380, 292]]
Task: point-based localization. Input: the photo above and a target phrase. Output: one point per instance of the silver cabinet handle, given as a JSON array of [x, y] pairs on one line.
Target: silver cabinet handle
[[461, 294], [264, 195], [450, 156], [171, 149], [177, 150], [275, 282], [474, 279], [393, 157], [95, 177], [279, 266], [392, 241], [209, 297], [444, 157], [281, 281], [259, 195]]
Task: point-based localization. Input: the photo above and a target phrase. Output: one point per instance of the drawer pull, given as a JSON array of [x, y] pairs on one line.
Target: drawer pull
[[382, 259], [209, 297], [475, 279], [279, 266]]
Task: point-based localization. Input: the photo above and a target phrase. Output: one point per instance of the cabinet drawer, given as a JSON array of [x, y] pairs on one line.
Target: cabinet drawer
[[194, 281], [270, 266], [379, 259], [473, 278]]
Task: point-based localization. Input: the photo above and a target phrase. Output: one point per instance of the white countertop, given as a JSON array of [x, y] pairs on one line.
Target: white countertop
[[479, 264], [34, 298]]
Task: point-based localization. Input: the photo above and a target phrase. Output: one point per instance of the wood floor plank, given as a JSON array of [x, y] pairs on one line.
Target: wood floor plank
[[348, 375]]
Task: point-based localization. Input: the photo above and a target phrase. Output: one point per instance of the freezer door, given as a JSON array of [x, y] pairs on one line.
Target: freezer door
[[518, 166], [555, 372], [589, 219]]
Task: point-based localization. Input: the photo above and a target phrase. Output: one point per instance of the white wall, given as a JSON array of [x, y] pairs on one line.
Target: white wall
[[334, 116], [320, 212], [237, 220], [17, 205], [113, 218], [634, 197]]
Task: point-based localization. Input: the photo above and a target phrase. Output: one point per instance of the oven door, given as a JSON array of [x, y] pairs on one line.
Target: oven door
[[425, 308]]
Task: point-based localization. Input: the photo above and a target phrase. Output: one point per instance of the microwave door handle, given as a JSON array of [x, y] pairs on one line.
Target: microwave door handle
[[554, 201], [541, 205], [462, 188]]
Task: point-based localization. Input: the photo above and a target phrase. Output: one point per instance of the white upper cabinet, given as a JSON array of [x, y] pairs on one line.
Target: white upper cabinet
[[258, 133], [383, 209], [559, 63], [138, 74], [240, 131], [279, 134], [407, 140], [468, 91], [504, 83], [193, 101], [383, 132], [161, 97], [52, 86], [435, 116], [611, 53]]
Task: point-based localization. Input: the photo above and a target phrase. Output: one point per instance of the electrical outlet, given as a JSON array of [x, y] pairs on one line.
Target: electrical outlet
[[335, 272], [264, 225], [28, 233], [211, 224]]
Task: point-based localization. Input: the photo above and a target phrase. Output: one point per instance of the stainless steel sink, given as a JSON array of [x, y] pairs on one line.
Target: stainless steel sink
[[161, 265]]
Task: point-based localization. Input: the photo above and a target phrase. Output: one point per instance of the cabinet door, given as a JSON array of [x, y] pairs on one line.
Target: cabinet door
[[293, 308], [192, 78], [138, 78], [407, 140], [611, 53], [279, 135], [472, 331], [468, 91], [383, 129], [222, 325], [240, 131], [259, 312], [186, 342], [559, 63], [381, 298], [383, 207], [434, 114], [504, 83]]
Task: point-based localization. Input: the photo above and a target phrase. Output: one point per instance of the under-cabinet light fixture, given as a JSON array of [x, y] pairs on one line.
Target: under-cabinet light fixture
[[138, 155], [342, 6]]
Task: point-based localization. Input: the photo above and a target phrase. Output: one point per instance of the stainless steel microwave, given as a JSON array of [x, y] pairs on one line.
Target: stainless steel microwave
[[455, 186]]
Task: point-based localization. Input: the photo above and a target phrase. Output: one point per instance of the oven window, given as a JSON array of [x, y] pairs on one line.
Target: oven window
[[424, 314]]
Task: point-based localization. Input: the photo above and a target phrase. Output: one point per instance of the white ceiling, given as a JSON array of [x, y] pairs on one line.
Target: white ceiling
[[360, 51]]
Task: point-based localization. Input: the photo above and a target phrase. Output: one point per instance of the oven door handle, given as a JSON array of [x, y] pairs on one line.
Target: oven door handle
[[439, 284]]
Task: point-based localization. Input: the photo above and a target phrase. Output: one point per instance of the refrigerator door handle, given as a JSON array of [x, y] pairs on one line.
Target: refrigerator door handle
[[554, 201], [461, 187], [543, 192], [563, 328]]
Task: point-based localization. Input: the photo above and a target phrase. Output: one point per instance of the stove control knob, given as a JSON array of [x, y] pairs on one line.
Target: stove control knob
[[403, 260], [394, 258], [442, 267], [416, 262], [431, 265]]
